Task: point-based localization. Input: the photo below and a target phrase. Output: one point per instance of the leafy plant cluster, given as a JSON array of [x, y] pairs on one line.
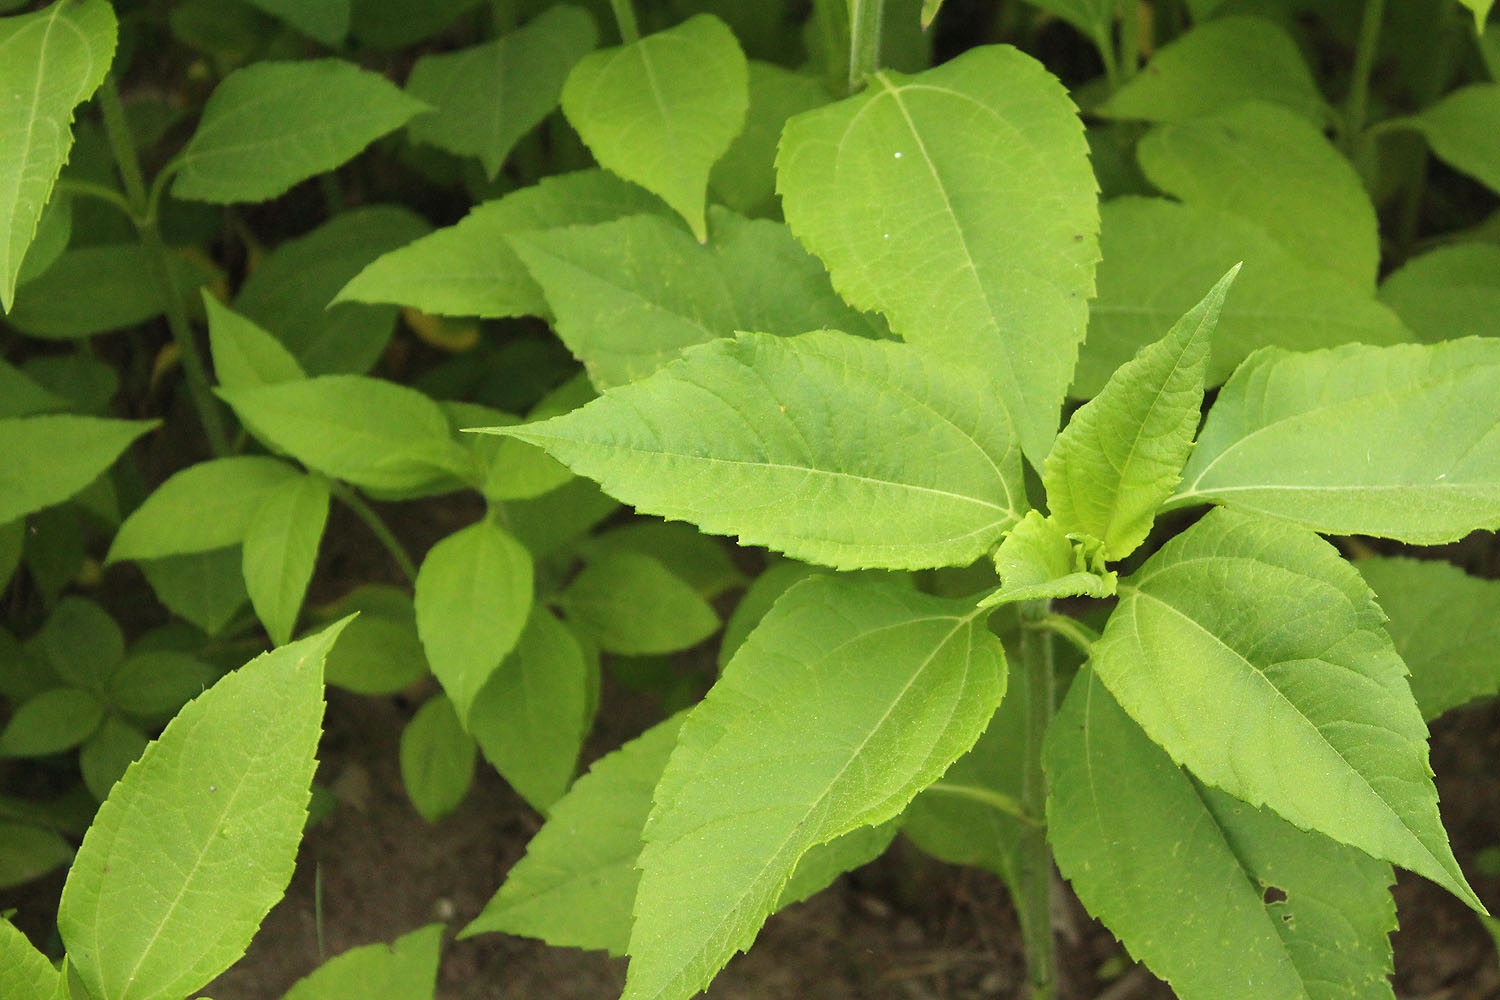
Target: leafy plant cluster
[[806, 285]]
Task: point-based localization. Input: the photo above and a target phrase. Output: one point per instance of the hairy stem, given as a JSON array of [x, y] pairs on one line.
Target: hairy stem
[[159, 260], [630, 31], [865, 17], [1034, 898], [377, 526]]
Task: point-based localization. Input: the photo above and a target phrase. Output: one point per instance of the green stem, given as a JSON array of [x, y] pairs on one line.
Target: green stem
[[1130, 41], [1356, 105], [630, 31], [159, 260], [378, 528], [1076, 632], [1106, 48], [865, 19], [88, 189], [1034, 896], [997, 801]]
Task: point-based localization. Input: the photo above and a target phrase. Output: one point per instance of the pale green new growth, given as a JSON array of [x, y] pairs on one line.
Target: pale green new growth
[[487, 97], [1254, 655], [849, 698], [960, 203], [468, 269], [366, 431], [1039, 560], [1180, 872], [1446, 626], [832, 449], [1400, 442], [198, 840], [280, 548], [44, 460], [260, 133], [205, 506], [50, 61], [660, 110], [630, 603], [25, 973], [437, 759], [1122, 452], [405, 969], [473, 596]]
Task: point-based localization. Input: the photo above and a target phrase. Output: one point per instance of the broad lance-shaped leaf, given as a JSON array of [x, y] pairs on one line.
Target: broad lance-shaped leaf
[[468, 269], [44, 460], [1461, 129], [576, 885], [832, 449], [260, 134], [280, 550], [1222, 900], [1122, 452], [1399, 442], [405, 969], [1254, 655], [205, 506], [960, 203], [488, 96], [1449, 292], [25, 973], [849, 698], [660, 110], [631, 294], [1446, 626], [50, 61], [197, 842], [473, 596]]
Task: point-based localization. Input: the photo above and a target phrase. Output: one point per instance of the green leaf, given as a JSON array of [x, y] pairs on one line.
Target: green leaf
[[1461, 129], [468, 269], [205, 506], [1254, 655], [974, 175], [1217, 64], [629, 603], [50, 723], [660, 110], [548, 523], [22, 396], [488, 96], [848, 699], [1397, 442], [1095, 18], [632, 294], [529, 717], [244, 354], [1224, 901], [105, 755], [437, 759], [1447, 293], [1275, 169], [44, 460], [405, 969], [53, 231], [703, 562], [153, 683], [778, 440], [744, 178], [28, 852], [12, 543], [280, 549], [473, 596], [81, 642], [1157, 256], [764, 591], [326, 21], [1122, 453], [1038, 560], [25, 973], [205, 588], [379, 652], [366, 431], [260, 134], [122, 292], [50, 62], [1446, 626], [290, 292], [198, 840], [577, 883], [513, 470]]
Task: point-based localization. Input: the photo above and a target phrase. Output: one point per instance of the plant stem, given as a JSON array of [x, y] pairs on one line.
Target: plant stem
[[1356, 105], [1034, 896], [1076, 632], [88, 189], [378, 528], [1130, 40], [988, 797], [865, 18], [159, 260], [630, 31]]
